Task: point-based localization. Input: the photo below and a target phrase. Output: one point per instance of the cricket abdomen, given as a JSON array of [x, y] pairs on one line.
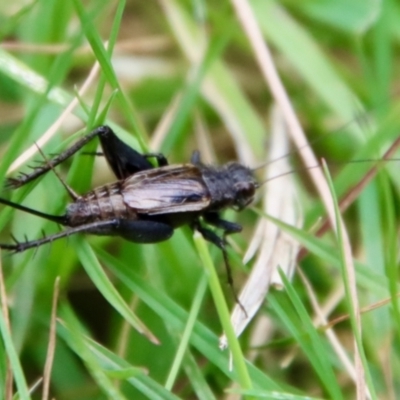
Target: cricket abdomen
[[101, 204]]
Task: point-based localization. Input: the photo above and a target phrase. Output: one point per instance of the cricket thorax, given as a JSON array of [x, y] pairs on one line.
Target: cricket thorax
[[101, 204]]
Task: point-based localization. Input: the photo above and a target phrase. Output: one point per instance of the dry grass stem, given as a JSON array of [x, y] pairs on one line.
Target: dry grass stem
[[268, 69], [275, 248]]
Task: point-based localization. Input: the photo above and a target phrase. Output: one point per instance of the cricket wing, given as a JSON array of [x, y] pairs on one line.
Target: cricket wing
[[170, 189]]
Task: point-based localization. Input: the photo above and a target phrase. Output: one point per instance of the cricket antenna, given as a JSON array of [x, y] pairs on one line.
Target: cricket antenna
[[60, 219], [366, 160], [269, 162], [288, 173]]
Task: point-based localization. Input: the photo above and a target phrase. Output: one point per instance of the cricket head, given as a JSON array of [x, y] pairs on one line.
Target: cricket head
[[244, 184]]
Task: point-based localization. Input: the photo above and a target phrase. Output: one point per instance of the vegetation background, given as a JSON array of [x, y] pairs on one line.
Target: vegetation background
[[178, 76]]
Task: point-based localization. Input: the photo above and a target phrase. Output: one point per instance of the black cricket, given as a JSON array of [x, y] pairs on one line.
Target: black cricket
[[146, 203]]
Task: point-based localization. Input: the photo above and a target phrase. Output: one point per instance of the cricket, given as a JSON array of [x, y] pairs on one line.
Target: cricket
[[146, 203]]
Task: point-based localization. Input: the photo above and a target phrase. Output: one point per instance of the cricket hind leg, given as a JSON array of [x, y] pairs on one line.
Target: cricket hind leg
[[18, 247], [144, 231], [220, 242], [138, 231], [23, 178], [123, 160]]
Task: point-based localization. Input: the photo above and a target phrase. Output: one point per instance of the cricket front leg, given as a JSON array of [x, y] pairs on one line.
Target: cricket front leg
[[213, 218], [220, 242], [228, 227]]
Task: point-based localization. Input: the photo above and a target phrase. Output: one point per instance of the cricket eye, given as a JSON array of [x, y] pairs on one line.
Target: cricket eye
[[244, 194]]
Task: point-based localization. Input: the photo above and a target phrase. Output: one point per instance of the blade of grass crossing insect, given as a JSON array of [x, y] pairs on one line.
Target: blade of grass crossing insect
[[223, 312], [104, 285], [299, 321], [351, 294]]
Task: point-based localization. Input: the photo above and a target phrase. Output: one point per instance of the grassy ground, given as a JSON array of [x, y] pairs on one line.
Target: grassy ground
[[173, 77]]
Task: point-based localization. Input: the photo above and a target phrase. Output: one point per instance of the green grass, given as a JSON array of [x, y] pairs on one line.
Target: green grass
[[139, 321]]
